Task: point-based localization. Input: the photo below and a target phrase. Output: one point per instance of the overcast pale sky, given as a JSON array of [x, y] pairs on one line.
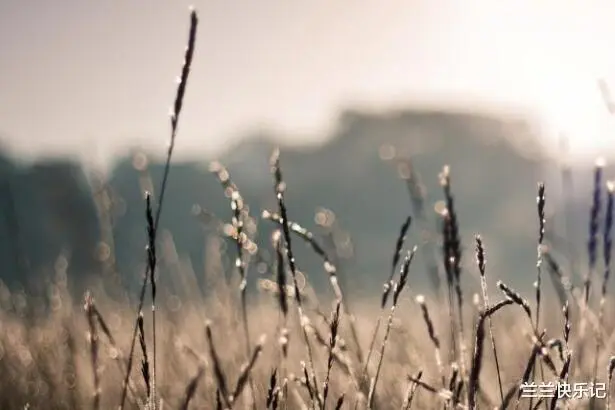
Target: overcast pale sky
[[90, 78]]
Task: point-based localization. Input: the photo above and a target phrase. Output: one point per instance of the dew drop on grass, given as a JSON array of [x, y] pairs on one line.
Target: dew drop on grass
[[440, 207], [320, 218], [252, 248], [228, 229]]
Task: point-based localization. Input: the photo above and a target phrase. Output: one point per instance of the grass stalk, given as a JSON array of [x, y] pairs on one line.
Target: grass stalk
[[332, 342], [399, 286], [387, 288], [607, 246], [481, 262], [410, 392], [540, 202], [280, 188], [477, 358], [93, 339], [609, 376], [175, 115], [329, 267], [431, 331], [452, 263]]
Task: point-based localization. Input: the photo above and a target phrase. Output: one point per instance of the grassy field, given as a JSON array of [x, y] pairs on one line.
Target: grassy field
[[285, 347]]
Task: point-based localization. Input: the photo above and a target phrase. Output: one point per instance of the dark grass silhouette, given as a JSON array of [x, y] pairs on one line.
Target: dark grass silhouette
[[197, 352]]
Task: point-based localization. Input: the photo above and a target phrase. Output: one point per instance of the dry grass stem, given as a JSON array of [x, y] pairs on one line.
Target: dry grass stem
[[177, 108], [399, 286]]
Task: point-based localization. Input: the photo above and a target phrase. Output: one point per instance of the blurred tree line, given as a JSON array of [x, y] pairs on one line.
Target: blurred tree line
[[55, 214]]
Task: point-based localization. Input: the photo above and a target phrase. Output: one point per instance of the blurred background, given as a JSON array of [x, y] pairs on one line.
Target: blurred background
[[365, 100]]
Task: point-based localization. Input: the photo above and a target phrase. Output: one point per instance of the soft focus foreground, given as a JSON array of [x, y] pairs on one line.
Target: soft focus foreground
[[47, 350]]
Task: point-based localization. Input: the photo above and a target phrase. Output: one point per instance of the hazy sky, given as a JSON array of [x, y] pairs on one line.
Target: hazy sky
[[91, 77]]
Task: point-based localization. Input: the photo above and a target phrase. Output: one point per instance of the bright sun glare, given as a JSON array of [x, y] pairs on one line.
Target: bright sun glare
[[579, 112], [571, 84], [551, 55]]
